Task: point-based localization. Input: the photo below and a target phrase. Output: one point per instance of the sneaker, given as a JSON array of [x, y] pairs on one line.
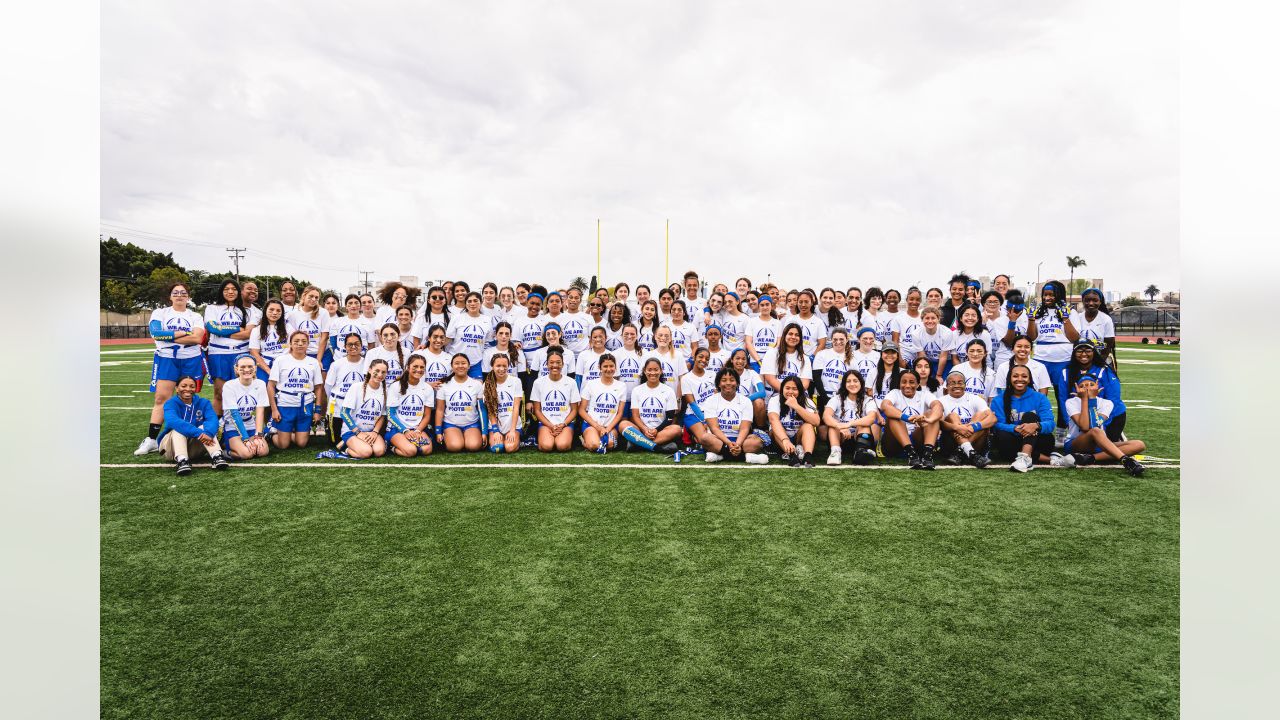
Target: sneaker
[[957, 458], [712, 457], [220, 462], [785, 457], [979, 460], [835, 457], [865, 456], [753, 458], [914, 459], [808, 462], [1083, 458], [670, 448], [1133, 466], [602, 449], [795, 461], [1059, 436], [147, 446], [531, 441], [182, 467], [1062, 461], [1022, 464], [926, 462]]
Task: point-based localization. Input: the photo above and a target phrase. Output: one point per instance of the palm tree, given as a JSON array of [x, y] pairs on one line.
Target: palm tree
[[1073, 262], [1151, 292], [579, 282]]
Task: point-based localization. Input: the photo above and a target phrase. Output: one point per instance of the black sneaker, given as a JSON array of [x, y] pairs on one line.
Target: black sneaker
[[979, 460], [1083, 458], [956, 458], [926, 462], [913, 459], [183, 467], [1133, 466], [793, 460], [864, 457], [220, 462]]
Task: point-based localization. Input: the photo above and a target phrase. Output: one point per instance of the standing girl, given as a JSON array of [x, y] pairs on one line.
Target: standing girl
[[1054, 334], [390, 352], [228, 327], [268, 338], [311, 319], [469, 332], [685, 335], [178, 332]]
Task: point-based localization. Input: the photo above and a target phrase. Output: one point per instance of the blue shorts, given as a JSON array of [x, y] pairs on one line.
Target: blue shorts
[[463, 428], [476, 372], [222, 366], [169, 368], [689, 421], [295, 419], [263, 375], [326, 361]]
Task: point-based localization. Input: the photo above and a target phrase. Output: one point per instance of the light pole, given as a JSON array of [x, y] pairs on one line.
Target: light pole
[[1038, 272]]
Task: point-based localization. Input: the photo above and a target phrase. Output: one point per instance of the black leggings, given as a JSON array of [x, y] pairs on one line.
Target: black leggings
[[1007, 445], [1116, 426]]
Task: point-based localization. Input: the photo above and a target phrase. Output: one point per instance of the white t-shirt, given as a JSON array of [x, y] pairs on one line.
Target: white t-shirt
[[313, 327], [342, 375], [556, 396], [439, 365], [672, 368], [470, 335], [537, 361], [790, 421], [273, 346], [486, 360], [228, 318], [527, 332], [613, 337], [847, 410], [421, 329], [684, 337], [575, 330], [392, 358], [966, 407], [244, 401], [917, 404], [508, 391], [700, 388], [1039, 376], [996, 330], [587, 366], [812, 330], [882, 323], [173, 321], [603, 400], [979, 382], [718, 359], [628, 368], [749, 381], [367, 404], [908, 329], [733, 330], [413, 404], [865, 364], [1096, 332], [832, 366], [1073, 406], [932, 346], [653, 403], [461, 401], [1052, 344], [797, 364], [343, 326], [728, 413], [644, 338], [296, 380], [763, 334]]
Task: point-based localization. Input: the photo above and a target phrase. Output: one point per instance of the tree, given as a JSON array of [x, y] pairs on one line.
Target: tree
[[1130, 302], [592, 288], [118, 297], [579, 282], [1077, 286], [154, 291], [1151, 292], [269, 285], [1073, 262]]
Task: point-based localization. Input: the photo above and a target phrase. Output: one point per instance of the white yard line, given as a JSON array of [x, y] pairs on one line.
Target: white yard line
[[333, 464], [126, 352]]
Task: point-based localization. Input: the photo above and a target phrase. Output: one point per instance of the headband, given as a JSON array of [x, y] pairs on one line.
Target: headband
[[551, 325], [1087, 376], [714, 326], [533, 295], [764, 298], [734, 294], [1093, 290], [865, 329]]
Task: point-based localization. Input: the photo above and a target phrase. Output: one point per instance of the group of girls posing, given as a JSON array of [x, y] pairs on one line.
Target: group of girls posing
[[735, 372]]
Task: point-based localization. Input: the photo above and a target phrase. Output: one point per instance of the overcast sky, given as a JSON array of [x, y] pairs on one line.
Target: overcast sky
[[825, 143]]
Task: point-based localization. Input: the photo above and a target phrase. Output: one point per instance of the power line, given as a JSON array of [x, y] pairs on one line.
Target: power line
[[366, 274], [235, 254], [135, 233]]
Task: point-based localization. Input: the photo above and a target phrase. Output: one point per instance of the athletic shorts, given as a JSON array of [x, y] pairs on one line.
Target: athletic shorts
[[169, 368], [263, 375], [476, 372], [689, 421], [222, 366], [463, 428], [326, 361], [295, 419]]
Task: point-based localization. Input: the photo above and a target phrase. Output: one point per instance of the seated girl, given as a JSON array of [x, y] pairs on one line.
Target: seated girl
[[966, 422], [1087, 438], [604, 400], [852, 419], [652, 424], [1024, 421], [912, 416], [364, 414], [728, 417], [793, 423], [554, 400]]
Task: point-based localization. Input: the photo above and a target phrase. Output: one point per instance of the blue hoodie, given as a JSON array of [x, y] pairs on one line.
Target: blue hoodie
[[1031, 401], [189, 420]]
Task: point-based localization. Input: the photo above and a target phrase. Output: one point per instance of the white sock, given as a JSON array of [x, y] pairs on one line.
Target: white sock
[[180, 458], [967, 447]]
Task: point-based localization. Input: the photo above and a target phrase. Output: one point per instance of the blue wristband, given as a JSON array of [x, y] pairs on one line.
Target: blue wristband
[[977, 427]]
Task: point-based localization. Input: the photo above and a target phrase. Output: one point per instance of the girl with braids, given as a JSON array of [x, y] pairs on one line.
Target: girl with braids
[[812, 327], [458, 409], [887, 371], [979, 375], [619, 317], [229, 330], [968, 327], [674, 362], [295, 388], [268, 339], [310, 318], [503, 345], [912, 415], [587, 363], [853, 308], [966, 420], [1024, 421], [345, 372], [787, 359], [390, 351], [411, 404], [829, 366], [718, 355], [469, 332], [865, 357], [924, 372], [503, 405], [395, 296], [793, 423], [364, 415], [852, 419], [647, 324], [554, 399], [1050, 327], [435, 312], [651, 424], [685, 335], [882, 322], [752, 385], [695, 387], [603, 403], [762, 331]]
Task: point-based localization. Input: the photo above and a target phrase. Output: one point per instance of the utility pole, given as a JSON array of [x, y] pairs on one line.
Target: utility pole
[[235, 254], [366, 274]]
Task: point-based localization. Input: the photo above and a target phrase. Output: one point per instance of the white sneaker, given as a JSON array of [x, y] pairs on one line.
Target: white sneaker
[[835, 457], [712, 457], [1061, 461], [1022, 463], [147, 446], [757, 458]]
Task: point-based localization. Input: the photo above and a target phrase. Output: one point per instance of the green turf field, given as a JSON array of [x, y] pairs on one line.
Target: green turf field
[[347, 589]]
